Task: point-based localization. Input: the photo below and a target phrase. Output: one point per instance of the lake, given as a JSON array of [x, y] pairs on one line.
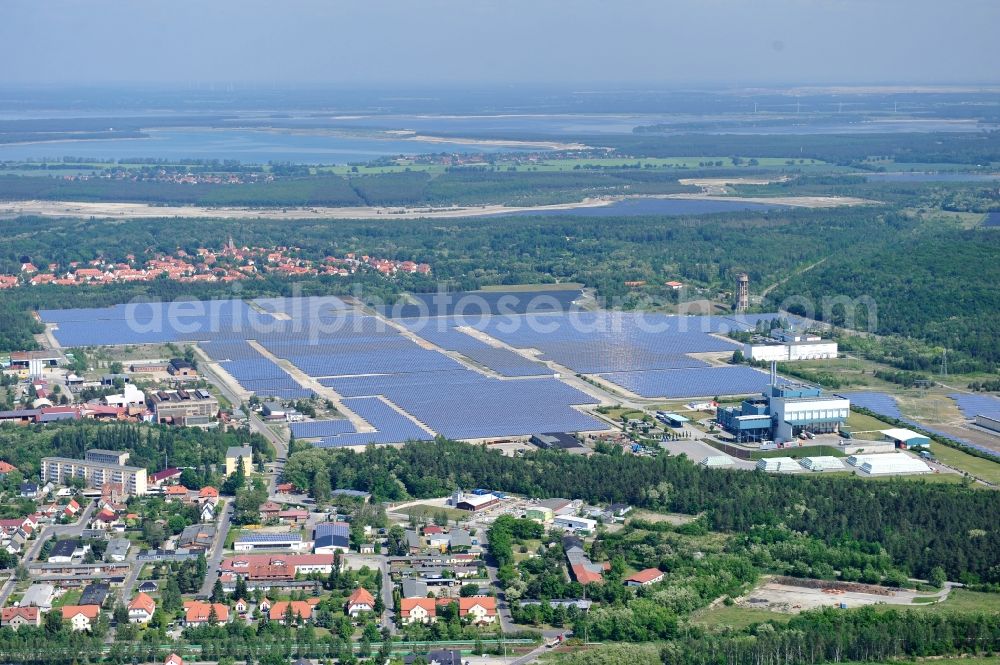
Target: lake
[[668, 207], [245, 145], [932, 177]]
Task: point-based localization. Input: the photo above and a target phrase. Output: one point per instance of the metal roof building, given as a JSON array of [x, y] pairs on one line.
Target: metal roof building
[[823, 463], [782, 464]]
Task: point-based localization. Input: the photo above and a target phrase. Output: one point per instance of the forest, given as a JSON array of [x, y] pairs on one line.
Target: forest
[[934, 286], [459, 186], [920, 525]]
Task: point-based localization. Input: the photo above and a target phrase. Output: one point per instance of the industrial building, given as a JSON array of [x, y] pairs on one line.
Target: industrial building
[[906, 439], [888, 464], [99, 467], [987, 422], [253, 542], [784, 412], [778, 464], [573, 523], [473, 502], [330, 537], [184, 407], [823, 463], [717, 461], [784, 345]]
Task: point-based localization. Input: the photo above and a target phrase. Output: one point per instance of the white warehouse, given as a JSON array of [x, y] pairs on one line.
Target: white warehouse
[[717, 461], [573, 523], [888, 464], [783, 464], [823, 463], [787, 345]]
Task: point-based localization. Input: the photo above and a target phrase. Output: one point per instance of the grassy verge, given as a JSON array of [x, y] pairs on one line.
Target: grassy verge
[[975, 466]]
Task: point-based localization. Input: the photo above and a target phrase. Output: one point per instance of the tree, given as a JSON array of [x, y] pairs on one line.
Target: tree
[[321, 490], [120, 614], [937, 576], [240, 590], [53, 623], [218, 594]]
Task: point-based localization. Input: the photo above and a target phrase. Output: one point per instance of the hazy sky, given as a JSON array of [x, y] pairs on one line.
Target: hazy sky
[[438, 42]]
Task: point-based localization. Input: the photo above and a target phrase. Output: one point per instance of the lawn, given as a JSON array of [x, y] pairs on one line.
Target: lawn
[[961, 600], [736, 617], [423, 511], [975, 466], [859, 422], [71, 597]]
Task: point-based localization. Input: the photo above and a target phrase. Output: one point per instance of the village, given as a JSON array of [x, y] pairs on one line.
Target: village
[[230, 264]]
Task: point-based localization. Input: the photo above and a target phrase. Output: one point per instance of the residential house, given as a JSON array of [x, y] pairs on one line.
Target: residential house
[[417, 610], [478, 609], [141, 609], [645, 577], [241, 606], [15, 617], [360, 601], [197, 613], [208, 493], [294, 516], [81, 617], [269, 511], [173, 659], [197, 537], [175, 493], [117, 550], [301, 610], [66, 551]]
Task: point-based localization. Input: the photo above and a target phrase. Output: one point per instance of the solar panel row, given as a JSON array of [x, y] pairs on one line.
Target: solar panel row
[[701, 382], [975, 405]]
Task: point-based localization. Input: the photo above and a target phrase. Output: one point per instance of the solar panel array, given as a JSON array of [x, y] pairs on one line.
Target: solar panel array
[[319, 428], [597, 342], [467, 405], [392, 426], [882, 404], [253, 371], [502, 361], [976, 405], [700, 382], [476, 304], [154, 322], [885, 405], [363, 357]]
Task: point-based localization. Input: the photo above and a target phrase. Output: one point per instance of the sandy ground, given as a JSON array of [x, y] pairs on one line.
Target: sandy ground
[[146, 211], [784, 598]]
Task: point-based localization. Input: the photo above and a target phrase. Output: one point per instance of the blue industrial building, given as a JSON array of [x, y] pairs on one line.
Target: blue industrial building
[[782, 413]]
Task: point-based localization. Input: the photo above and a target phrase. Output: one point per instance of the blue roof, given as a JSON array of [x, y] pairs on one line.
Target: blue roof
[[268, 537]]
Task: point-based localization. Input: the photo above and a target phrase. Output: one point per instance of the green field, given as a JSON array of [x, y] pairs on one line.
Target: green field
[[961, 600], [975, 466], [736, 617], [424, 512]]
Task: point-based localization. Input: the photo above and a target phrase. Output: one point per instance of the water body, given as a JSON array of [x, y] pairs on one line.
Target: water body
[[992, 220], [932, 177], [668, 207], [245, 145]]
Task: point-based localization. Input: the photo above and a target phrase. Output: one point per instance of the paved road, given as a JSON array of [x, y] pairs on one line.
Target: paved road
[[503, 607], [256, 424], [387, 586], [218, 546], [47, 532]]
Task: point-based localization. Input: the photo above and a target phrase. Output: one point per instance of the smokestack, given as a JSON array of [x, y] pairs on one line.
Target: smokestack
[[774, 373]]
